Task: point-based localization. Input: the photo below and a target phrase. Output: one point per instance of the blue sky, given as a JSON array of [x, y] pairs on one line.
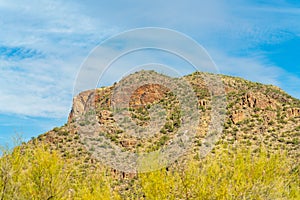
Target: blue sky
[[43, 44]]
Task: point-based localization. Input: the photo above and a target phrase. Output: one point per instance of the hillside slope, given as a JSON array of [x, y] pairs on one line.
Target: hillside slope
[[255, 114]]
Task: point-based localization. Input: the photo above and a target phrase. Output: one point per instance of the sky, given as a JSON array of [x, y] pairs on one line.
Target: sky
[[43, 45]]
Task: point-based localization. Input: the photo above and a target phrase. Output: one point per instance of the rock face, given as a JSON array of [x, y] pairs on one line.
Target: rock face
[[87, 100], [258, 100], [293, 112], [81, 103], [147, 94]]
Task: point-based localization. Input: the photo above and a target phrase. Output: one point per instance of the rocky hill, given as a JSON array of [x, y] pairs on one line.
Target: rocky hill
[[255, 114]]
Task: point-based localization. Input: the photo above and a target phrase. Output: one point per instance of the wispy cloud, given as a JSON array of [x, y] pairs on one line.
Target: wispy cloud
[[43, 43]]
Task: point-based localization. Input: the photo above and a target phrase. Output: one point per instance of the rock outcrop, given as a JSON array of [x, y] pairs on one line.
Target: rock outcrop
[[293, 112], [81, 103], [258, 100]]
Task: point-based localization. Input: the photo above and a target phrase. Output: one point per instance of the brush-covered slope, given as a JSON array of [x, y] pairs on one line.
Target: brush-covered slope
[[255, 114]]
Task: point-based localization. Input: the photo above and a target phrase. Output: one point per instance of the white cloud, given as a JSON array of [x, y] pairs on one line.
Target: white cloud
[[43, 86], [65, 31], [39, 90]]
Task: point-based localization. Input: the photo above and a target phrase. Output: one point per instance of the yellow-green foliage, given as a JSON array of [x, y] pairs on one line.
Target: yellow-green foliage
[[39, 174], [238, 175], [233, 174]]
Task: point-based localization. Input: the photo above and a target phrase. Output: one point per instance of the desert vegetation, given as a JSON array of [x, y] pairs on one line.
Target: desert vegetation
[[235, 173]]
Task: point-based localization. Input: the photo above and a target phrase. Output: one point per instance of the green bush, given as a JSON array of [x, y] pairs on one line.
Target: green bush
[[38, 173], [225, 175]]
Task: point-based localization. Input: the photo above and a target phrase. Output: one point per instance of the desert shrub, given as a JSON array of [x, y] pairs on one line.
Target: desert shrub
[[31, 172], [38, 173], [11, 165], [238, 174]]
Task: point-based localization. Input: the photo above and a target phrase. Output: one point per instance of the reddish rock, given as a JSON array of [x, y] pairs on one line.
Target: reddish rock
[[147, 94]]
